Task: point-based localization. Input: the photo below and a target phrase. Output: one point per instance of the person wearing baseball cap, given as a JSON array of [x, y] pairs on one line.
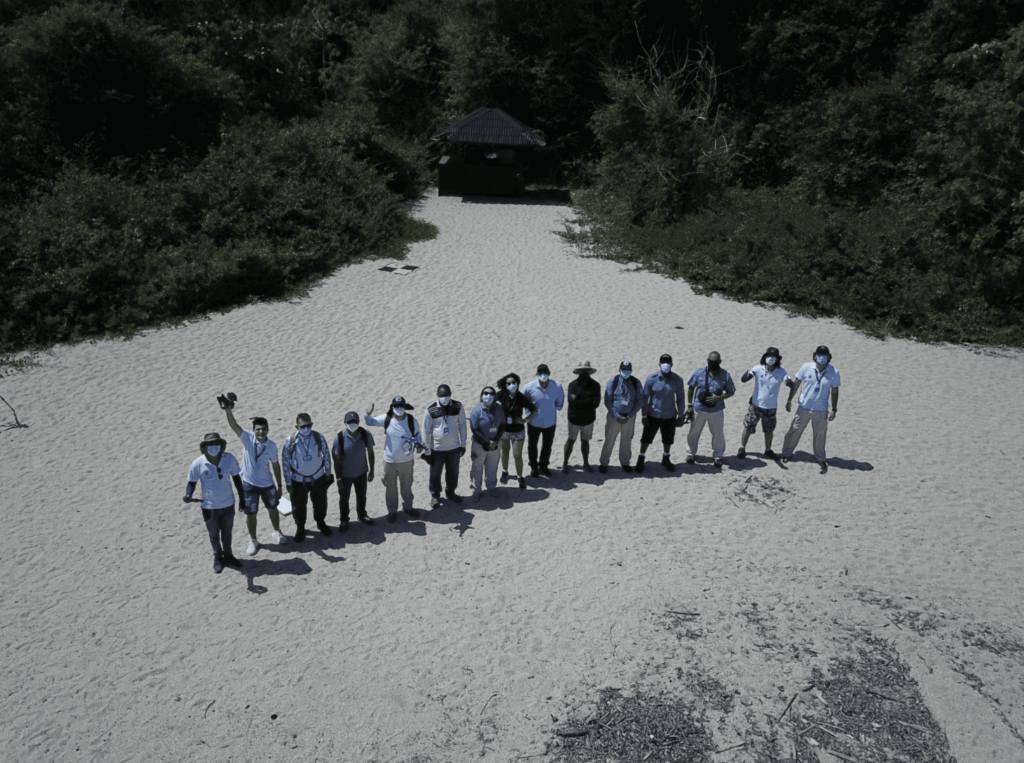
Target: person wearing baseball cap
[[819, 380], [664, 403], [216, 469], [352, 453], [401, 438], [549, 397], [584, 396], [622, 397], [444, 439], [769, 376], [712, 385]]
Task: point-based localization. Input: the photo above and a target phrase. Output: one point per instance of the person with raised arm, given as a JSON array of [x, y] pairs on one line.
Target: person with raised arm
[[401, 438], [769, 377]]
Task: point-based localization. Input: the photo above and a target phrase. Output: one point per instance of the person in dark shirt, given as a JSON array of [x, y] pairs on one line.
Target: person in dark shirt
[[584, 397], [514, 402]]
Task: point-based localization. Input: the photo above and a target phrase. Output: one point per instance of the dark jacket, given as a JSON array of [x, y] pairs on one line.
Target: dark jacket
[[584, 396], [513, 405]]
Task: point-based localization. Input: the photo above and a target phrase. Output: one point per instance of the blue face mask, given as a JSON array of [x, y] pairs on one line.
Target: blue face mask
[[353, 426], [399, 411], [212, 450], [625, 374], [444, 400], [822, 360], [543, 377], [512, 387], [488, 399], [666, 368]]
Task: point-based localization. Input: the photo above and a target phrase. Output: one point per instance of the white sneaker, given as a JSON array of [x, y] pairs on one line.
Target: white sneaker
[[251, 549], [279, 537]]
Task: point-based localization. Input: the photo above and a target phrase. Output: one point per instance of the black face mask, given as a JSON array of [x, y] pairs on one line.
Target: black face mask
[[714, 365]]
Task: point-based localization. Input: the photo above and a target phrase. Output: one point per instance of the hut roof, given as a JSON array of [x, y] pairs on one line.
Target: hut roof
[[491, 127]]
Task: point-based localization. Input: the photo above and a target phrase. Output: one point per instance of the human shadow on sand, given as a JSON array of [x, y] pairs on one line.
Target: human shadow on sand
[[448, 513], [504, 498], [258, 568], [832, 461], [377, 533]]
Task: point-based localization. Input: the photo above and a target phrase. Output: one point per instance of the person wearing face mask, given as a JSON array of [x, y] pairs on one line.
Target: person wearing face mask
[[401, 438], [820, 380], [216, 469], [549, 397], [259, 456], [712, 386], [518, 410], [584, 400], [444, 437], [664, 402], [307, 475], [622, 397], [352, 453], [487, 423], [768, 376]]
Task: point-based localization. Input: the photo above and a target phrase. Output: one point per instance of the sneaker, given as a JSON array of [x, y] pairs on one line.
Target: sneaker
[[824, 466], [250, 550], [231, 561], [769, 453], [603, 469], [640, 465], [534, 472], [366, 520], [343, 527], [741, 453], [627, 468], [323, 528], [785, 459], [691, 460], [667, 463], [522, 483], [545, 471], [452, 496], [300, 534], [504, 478], [412, 512], [218, 565], [392, 518], [434, 501], [276, 535], [718, 463]]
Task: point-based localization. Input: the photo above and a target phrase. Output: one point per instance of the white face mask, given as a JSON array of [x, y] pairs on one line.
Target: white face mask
[[444, 400], [822, 360], [769, 361], [625, 374], [212, 450], [488, 399], [399, 411], [353, 426], [666, 368], [512, 387], [543, 377]]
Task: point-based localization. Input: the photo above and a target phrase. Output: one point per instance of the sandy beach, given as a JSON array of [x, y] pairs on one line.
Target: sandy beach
[[475, 631]]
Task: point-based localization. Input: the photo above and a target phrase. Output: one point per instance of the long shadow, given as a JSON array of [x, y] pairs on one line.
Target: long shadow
[[449, 513], [258, 568], [833, 462], [505, 498]]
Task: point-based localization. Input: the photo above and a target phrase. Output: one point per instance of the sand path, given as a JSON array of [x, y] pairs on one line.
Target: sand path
[[464, 634]]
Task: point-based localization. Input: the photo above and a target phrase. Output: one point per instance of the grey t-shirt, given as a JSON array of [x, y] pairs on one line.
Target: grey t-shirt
[[351, 451]]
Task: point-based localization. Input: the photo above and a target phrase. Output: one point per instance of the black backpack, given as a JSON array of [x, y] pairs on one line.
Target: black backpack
[[362, 433], [410, 421]]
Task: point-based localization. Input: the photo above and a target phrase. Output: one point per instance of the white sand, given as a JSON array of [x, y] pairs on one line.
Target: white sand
[[461, 635]]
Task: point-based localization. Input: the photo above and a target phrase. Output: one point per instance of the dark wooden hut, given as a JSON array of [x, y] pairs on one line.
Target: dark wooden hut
[[485, 154]]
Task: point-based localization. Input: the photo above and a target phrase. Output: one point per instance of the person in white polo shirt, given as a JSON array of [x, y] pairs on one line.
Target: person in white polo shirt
[[820, 381], [401, 438], [214, 470], [444, 439], [259, 457], [307, 475], [769, 376]]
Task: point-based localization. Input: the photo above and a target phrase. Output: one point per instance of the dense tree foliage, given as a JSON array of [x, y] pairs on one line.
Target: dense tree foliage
[[861, 159]]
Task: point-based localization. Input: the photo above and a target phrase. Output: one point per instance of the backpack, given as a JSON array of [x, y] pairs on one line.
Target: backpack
[[362, 433], [409, 420], [321, 445], [632, 380]]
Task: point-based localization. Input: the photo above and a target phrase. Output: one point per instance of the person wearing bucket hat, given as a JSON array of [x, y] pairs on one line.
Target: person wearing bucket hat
[[664, 403], [401, 438], [444, 437], [216, 469], [622, 397], [712, 385], [352, 452], [307, 475], [769, 376], [549, 397], [584, 395], [518, 410], [260, 469], [820, 380]]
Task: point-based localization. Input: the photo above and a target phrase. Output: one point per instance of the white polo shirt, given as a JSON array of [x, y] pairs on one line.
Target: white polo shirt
[[256, 460], [767, 386], [215, 479], [817, 384]]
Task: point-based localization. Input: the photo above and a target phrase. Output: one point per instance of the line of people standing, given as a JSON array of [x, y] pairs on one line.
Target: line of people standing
[[505, 417]]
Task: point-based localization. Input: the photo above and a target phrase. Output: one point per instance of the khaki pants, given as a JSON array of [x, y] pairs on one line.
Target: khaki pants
[[716, 423], [819, 423], [484, 466], [393, 475], [613, 429]]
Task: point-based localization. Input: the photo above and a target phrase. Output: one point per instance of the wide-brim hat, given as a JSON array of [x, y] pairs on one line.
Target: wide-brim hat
[[772, 352], [212, 439], [584, 366], [823, 350]]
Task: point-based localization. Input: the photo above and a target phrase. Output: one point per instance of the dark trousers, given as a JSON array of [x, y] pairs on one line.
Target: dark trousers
[[219, 523], [448, 460], [532, 435], [345, 485], [668, 432], [303, 490]]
